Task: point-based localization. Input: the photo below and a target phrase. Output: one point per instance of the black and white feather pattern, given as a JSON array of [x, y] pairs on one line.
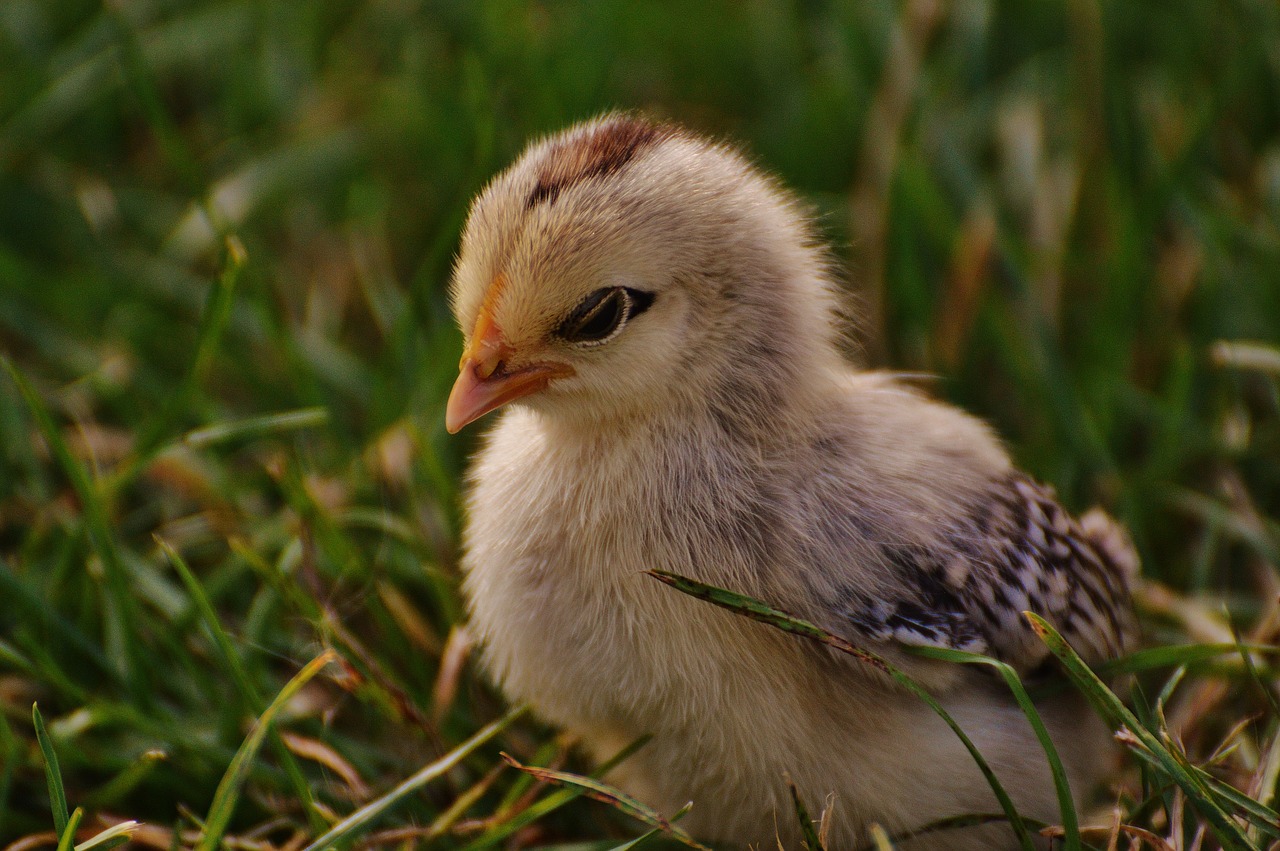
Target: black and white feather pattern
[[1016, 550]]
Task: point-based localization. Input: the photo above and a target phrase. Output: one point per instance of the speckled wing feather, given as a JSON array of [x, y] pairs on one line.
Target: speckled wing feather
[[1015, 550]]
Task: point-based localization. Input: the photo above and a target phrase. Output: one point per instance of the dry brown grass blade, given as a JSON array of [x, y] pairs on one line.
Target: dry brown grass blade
[[605, 794]]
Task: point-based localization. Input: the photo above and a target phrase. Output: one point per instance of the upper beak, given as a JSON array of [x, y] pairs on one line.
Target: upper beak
[[485, 381]]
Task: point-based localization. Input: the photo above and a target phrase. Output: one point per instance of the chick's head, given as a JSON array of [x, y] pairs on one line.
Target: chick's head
[[622, 266]]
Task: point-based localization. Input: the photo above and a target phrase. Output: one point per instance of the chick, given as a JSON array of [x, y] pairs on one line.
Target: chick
[[668, 328]]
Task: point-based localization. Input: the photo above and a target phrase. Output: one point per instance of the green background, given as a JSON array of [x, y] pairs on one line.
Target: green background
[[1061, 210]]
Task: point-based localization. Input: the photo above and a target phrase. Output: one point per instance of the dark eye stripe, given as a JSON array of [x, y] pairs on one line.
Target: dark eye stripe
[[603, 313]]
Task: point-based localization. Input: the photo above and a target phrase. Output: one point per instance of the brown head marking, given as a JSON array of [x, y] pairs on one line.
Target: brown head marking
[[602, 151]]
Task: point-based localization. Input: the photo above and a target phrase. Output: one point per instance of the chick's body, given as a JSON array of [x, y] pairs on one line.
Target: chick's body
[[661, 313]]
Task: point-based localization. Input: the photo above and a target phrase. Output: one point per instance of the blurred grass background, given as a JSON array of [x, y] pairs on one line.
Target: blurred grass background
[[226, 229]]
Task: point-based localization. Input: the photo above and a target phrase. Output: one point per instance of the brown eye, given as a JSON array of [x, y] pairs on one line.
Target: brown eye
[[602, 314]]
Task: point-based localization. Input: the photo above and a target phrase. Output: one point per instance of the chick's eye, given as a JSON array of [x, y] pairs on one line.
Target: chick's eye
[[602, 314]]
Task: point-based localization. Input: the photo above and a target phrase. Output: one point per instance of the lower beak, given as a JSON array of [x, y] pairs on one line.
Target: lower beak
[[474, 396]]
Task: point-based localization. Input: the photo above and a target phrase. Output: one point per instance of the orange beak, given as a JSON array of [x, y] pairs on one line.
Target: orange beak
[[485, 381]]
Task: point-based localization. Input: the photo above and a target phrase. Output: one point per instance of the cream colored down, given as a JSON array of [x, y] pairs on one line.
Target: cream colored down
[[722, 435]]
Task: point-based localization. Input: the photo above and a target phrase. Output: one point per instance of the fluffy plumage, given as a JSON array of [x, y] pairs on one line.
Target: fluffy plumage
[[665, 322]]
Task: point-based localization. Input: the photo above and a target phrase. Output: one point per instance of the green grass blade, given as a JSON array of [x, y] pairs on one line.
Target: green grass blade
[[1252, 670], [1262, 816], [57, 794], [250, 699], [1066, 803], [365, 817], [13, 658], [228, 791], [200, 600], [1216, 792], [10, 747], [67, 836], [764, 613], [142, 83], [639, 841], [255, 427], [1265, 818], [213, 320], [216, 313], [1170, 686], [1199, 795], [807, 831], [1173, 655], [606, 794], [99, 526], [17, 595], [1267, 776], [123, 783]]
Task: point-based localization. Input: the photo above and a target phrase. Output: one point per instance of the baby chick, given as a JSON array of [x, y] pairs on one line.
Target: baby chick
[[667, 326]]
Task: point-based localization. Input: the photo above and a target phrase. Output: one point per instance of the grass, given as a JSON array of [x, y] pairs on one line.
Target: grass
[[225, 232]]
